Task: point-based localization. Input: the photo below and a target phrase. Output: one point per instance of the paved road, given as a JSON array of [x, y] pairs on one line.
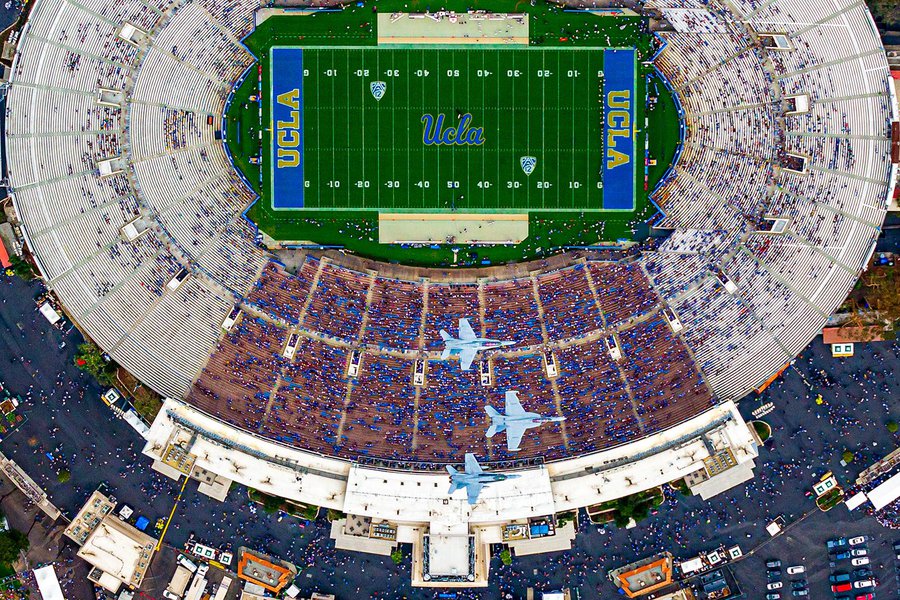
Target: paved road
[[67, 419]]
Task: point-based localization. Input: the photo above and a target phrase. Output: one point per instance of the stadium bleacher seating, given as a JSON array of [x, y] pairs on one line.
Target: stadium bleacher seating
[[176, 180]]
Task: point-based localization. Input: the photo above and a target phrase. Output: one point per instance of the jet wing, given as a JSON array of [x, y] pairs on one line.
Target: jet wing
[[465, 330], [513, 406], [466, 356], [472, 491], [514, 433], [472, 466]]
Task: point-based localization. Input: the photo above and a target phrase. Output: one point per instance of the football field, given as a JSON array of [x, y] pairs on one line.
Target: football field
[[445, 128]]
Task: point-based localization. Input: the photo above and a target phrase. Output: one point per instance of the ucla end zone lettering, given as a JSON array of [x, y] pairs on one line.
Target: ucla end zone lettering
[[619, 169], [287, 127]]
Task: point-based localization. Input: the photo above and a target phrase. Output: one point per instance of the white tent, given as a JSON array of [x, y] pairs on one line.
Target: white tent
[[885, 493], [48, 584]]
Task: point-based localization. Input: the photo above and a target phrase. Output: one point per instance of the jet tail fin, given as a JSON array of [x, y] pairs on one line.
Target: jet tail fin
[[445, 336], [446, 353], [492, 430], [491, 411], [453, 484]]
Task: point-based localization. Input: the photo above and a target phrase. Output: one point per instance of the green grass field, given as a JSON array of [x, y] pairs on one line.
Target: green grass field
[[363, 152], [517, 113]]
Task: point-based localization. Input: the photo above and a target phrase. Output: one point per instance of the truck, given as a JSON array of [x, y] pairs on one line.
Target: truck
[[179, 582], [197, 589], [222, 590]]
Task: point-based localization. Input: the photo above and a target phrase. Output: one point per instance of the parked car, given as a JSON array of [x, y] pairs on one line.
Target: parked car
[[775, 585], [856, 541], [858, 562], [842, 555], [803, 592], [773, 563], [841, 587], [864, 583], [836, 542], [861, 573], [773, 573], [798, 585], [859, 552], [839, 577], [773, 596], [796, 569], [869, 596]]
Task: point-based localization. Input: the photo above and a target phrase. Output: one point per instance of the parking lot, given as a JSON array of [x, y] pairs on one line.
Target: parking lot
[[67, 420]]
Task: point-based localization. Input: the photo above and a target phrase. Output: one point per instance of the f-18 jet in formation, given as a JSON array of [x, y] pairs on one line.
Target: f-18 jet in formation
[[516, 421], [467, 344], [473, 478]]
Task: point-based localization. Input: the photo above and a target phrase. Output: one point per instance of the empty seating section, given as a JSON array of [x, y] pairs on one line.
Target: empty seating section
[[235, 16], [193, 39], [736, 127], [182, 188]]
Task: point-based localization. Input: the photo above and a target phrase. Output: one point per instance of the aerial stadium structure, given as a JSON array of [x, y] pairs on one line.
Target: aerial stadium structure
[[319, 379]]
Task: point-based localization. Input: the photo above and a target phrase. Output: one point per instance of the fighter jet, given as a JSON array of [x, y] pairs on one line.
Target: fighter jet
[[467, 344], [473, 478], [516, 421]]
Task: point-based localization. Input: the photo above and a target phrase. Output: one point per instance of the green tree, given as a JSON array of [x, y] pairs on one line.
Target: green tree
[[892, 426], [506, 557], [63, 476], [397, 556], [271, 504], [886, 13], [11, 543], [90, 360], [847, 456], [21, 269]]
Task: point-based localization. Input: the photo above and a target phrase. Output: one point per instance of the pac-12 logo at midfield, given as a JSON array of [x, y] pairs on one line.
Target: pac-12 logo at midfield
[[528, 164], [378, 88]]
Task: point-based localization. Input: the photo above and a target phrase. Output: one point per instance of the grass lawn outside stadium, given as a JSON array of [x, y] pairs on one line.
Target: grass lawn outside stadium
[[362, 156]]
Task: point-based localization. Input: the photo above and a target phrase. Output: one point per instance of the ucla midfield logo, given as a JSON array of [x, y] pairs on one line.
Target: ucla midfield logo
[[378, 88], [528, 164], [435, 134]]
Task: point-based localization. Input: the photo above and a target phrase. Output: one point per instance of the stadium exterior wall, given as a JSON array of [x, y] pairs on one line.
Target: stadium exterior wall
[[322, 481]]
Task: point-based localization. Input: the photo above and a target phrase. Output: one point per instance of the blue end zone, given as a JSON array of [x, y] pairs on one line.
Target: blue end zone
[[287, 119], [620, 74]]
